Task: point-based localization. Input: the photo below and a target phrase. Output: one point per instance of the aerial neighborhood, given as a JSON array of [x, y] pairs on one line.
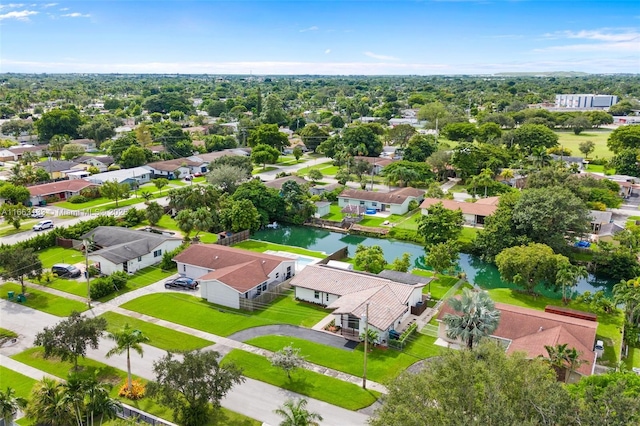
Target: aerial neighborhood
[[199, 249]]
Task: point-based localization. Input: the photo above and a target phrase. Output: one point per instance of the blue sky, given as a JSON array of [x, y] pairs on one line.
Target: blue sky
[[320, 37]]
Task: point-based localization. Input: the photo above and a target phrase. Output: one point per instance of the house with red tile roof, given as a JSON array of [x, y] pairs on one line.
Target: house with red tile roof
[[63, 189], [227, 274], [396, 201], [474, 213], [529, 330]]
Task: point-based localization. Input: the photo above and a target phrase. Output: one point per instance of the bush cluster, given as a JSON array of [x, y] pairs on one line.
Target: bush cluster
[[77, 199], [167, 263], [105, 286]]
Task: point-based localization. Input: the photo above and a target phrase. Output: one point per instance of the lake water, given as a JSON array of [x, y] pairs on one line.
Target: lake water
[[478, 272]]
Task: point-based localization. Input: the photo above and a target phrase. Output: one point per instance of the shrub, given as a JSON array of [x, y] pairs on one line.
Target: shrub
[[77, 199], [167, 263], [118, 279], [133, 217], [93, 271], [413, 204], [91, 192], [137, 390], [100, 288], [52, 199]]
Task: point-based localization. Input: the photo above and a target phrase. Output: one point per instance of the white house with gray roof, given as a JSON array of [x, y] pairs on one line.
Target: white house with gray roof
[[140, 175], [348, 293], [121, 249]]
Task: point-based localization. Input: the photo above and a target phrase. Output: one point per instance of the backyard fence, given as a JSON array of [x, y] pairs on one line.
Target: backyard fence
[[127, 412], [259, 302], [225, 239]]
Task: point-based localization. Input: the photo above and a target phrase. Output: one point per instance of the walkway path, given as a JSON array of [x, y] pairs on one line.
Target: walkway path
[[293, 331]]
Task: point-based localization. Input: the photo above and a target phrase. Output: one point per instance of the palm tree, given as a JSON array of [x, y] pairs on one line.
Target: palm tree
[[573, 362], [48, 405], [506, 174], [568, 276], [479, 317], [296, 414], [558, 357], [89, 399], [10, 404], [127, 339]]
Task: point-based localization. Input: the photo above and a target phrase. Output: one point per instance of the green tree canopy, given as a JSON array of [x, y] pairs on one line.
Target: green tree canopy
[[58, 122], [268, 134], [440, 225], [529, 136], [530, 265], [369, 258], [624, 137]]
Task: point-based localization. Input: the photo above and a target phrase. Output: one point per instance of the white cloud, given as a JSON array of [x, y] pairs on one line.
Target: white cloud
[[381, 57], [313, 28], [64, 9], [49, 5], [76, 15], [11, 6], [594, 40], [22, 15], [327, 51]]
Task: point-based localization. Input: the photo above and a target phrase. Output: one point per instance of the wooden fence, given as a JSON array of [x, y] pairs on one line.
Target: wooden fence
[[225, 239]]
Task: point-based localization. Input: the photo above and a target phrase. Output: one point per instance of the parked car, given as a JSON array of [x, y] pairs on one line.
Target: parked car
[[42, 225], [65, 270], [37, 214], [182, 282]]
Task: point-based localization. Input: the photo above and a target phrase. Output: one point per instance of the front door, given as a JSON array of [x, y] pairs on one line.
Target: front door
[[125, 267]]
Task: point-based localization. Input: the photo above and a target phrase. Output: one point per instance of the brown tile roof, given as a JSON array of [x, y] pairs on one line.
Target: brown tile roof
[[171, 165], [210, 156], [83, 141], [482, 207], [57, 187], [378, 161], [22, 149], [277, 183], [241, 270], [397, 196], [530, 330]]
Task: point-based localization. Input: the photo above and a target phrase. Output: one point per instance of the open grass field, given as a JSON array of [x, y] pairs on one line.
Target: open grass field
[[44, 302], [383, 364], [221, 320], [20, 383], [169, 224], [570, 141], [160, 337], [633, 359], [261, 246], [105, 373], [609, 325], [305, 382]]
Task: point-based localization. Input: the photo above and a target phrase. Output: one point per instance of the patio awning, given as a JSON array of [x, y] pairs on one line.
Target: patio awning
[[354, 209]]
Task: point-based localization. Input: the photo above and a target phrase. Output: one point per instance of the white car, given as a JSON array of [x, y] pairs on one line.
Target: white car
[[37, 214], [42, 225]]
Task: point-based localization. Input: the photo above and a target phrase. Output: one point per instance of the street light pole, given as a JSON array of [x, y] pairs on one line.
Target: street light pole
[[366, 346]]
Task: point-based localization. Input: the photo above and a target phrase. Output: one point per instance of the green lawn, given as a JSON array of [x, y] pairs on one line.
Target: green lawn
[[106, 204], [334, 213], [21, 383], [44, 302], [7, 334], [569, 140], [33, 357], [408, 221], [77, 287], [261, 246], [196, 313], [25, 225], [383, 364], [139, 279], [167, 223], [438, 287], [53, 255], [633, 359], [468, 234], [160, 337], [609, 325], [305, 382]]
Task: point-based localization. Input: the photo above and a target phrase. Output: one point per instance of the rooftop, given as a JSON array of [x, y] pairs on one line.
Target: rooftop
[[118, 244], [482, 207], [397, 196], [57, 187]]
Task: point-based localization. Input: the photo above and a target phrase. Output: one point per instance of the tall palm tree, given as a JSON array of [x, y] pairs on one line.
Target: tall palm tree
[[48, 406], [568, 276], [89, 399], [127, 339], [10, 404], [296, 414], [558, 357], [573, 363], [479, 317]]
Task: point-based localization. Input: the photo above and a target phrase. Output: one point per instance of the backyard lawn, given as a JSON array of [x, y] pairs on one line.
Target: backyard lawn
[[609, 325], [160, 337], [438, 287], [53, 255], [569, 140], [305, 382], [261, 246], [21, 383], [383, 364], [33, 357], [221, 320], [168, 223], [45, 302]]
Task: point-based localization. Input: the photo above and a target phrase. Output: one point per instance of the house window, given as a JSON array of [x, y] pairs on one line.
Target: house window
[[362, 203], [157, 253], [264, 286], [277, 275], [139, 258], [288, 269], [327, 297], [184, 268], [316, 295], [353, 322], [374, 204]]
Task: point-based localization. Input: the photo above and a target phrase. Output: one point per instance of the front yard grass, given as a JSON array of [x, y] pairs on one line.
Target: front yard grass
[[53, 255], [261, 246], [221, 320], [305, 382], [160, 337], [45, 302], [19, 382], [77, 286], [383, 364], [139, 279], [609, 325]]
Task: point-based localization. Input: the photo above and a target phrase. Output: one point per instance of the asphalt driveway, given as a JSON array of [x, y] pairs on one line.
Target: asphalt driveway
[[293, 331]]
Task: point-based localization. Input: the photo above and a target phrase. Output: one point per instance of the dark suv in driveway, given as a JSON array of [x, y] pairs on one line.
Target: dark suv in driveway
[[64, 270], [182, 282]]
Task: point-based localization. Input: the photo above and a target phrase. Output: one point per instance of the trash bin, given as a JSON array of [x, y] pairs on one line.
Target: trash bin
[[21, 298], [10, 295]]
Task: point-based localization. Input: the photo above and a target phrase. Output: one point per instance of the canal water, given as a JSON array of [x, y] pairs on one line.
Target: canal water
[[478, 272]]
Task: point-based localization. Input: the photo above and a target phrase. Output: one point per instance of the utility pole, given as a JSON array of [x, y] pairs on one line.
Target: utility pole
[[373, 169], [86, 271], [366, 346]]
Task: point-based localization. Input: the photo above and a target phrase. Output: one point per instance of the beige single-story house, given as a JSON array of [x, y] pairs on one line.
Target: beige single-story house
[[396, 201], [529, 330], [102, 162], [88, 144], [348, 293], [121, 249], [58, 169], [227, 274], [474, 213], [176, 169], [378, 163], [19, 151], [62, 189]]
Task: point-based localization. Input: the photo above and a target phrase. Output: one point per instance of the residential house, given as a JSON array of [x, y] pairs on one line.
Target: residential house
[[602, 226], [278, 182], [36, 150], [323, 208], [393, 122], [120, 249], [89, 145], [378, 163], [627, 183], [228, 274], [135, 175], [474, 213], [396, 201], [348, 294], [6, 155], [176, 169], [62, 189], [570, 160], [321, 189], [529, 331], [58, 169], [102, 162]]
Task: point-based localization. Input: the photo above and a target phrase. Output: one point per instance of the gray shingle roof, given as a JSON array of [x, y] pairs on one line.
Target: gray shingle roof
[[119, 245]]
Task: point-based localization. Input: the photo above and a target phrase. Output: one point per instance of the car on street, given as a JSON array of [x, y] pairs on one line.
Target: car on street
[[182, 282], [37, 214], [42, 225], [65, 270]]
